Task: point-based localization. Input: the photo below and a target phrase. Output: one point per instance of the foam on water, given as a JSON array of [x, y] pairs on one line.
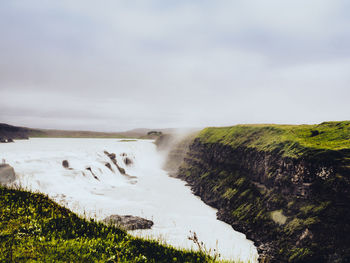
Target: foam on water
[[154, 195]]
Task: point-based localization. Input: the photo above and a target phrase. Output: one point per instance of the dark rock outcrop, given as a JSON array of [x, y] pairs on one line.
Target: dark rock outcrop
[[92, 173], [129, 222], [65, 164], [128, 161], [294, 209], [109, 166], [113, 156]]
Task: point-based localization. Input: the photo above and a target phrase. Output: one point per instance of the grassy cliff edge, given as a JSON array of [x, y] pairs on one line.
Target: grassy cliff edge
[[290, 140], [287, 187]]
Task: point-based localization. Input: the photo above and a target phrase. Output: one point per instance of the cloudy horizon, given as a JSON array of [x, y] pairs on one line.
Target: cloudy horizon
[[119, 65]]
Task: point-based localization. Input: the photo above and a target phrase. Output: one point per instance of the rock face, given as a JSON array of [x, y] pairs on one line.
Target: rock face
[[7, 174], [294, 209], [129, 222]]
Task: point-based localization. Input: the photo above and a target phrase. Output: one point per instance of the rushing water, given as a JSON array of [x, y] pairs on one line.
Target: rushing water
[[152, 194]]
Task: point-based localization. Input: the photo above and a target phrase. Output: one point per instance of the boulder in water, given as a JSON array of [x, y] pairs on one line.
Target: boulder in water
[[109, 166], [121, 169], [129, 222], [128, 161], [92, 173], [65, 164], [111, 156]]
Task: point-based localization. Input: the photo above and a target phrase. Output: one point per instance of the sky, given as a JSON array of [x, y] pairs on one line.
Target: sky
[[116, 65]]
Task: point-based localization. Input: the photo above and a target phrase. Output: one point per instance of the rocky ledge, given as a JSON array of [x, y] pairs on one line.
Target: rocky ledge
[[129, 222]]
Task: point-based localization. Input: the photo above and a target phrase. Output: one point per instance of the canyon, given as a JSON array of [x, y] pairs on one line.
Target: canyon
[[285, 187]]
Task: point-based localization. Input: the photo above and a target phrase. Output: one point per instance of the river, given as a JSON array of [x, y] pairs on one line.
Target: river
[[148, 191]]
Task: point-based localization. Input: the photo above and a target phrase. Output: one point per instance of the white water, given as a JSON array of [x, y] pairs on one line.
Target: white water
[[154, 195]]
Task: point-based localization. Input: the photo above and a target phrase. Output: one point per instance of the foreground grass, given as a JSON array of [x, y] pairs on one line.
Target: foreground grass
[[290, 140], [33, 228]]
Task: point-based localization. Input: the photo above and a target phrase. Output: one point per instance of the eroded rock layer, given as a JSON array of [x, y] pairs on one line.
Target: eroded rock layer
[[286, 192]]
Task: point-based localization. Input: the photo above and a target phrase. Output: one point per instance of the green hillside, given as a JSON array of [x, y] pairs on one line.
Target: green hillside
[[35, 229], [290, 140]]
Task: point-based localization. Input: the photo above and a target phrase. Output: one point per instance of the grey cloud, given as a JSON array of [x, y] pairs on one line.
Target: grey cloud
[[128, 64]]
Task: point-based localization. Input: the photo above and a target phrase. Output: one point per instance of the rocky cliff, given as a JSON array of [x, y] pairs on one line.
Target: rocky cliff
[[286, 187], [9, 132]]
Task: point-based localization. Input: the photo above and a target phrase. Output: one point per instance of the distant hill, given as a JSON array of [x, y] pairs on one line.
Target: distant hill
[[10, 132], [47, 133]]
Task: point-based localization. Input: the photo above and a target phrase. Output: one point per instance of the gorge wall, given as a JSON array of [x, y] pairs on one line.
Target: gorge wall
[[286, 187]]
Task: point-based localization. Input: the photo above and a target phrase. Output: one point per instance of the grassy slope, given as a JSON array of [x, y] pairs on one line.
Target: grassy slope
[[291, 140], [33, 228]]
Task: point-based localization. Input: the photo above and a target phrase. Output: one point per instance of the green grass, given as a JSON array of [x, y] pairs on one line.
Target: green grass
[[33, 228], [290, 140]]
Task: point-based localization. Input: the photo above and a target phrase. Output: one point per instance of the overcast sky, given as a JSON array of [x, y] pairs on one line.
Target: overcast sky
[[117, 65]]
